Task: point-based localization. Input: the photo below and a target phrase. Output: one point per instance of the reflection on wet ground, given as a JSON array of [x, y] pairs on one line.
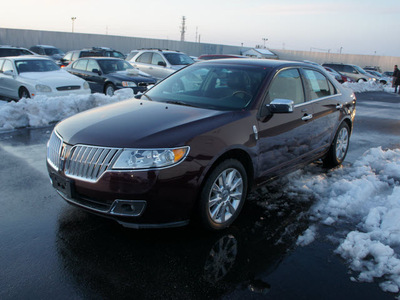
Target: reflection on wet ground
[[108, 261]]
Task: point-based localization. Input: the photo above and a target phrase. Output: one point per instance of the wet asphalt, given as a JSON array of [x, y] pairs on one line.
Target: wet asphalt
[[51, 250]]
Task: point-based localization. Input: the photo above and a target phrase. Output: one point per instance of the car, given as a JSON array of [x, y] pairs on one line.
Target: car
[[194, 145], [50, 51], [334, 74], [388, 74], [30, 76], [90, 52], [379, 77], [105, 75], [14, 51], [158, 63], [341, 78], [356, 73]]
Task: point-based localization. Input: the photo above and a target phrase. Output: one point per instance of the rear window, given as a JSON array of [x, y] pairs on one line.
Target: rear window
[[13, 52]]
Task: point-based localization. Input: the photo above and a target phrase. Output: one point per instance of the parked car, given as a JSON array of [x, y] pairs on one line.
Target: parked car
[[158, 63], [379, 77], [50, 51], [105, 75], [354, 72], [92, 52], [29, 76], [338, 76], [14, 51], [388, 73], [195, 144]]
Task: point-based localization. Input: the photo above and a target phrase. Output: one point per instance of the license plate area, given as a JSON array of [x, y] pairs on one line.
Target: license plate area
[[63, 185]]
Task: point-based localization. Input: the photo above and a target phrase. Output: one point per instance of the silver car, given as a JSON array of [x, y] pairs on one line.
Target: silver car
[[158, 63]]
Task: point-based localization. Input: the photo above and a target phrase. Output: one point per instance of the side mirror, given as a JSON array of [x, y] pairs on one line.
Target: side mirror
[[97, 71], [162, 63], [281, 106], [9, 73]]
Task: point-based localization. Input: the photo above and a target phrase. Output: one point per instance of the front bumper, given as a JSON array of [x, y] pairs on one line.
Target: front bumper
[[135, 199]]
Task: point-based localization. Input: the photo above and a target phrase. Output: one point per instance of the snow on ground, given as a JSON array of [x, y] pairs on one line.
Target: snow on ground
[[41, 110], [366, 193]]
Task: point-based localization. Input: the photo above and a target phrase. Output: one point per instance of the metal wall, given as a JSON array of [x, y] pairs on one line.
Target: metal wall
[[71, 41]]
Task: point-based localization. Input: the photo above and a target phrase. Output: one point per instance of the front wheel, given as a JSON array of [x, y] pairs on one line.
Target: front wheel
[[109, 90], [338, 150], [23, 93], [223, 195]]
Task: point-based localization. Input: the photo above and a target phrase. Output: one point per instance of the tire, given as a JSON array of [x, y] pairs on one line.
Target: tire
[[361, 80], [223, 195], [23, 93], [338, 150], [109, 89]]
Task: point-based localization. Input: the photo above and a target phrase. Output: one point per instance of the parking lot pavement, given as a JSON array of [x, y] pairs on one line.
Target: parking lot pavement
[[52, 250]]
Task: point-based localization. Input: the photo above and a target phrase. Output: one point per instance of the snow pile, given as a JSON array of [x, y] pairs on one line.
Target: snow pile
[[365, 195], [42, 110], [364, 86]]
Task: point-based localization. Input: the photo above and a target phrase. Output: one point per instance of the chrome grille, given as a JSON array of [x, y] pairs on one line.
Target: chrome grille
[[89, 162], [54, 147]]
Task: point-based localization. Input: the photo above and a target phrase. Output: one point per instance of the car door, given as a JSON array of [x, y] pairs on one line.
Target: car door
[[159, 66], [95, 76], [9, 82], [284, 139], [143, 62], [327, 105], [78, 68]]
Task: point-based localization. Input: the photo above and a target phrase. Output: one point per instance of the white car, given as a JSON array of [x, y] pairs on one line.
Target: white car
[[29, 76]]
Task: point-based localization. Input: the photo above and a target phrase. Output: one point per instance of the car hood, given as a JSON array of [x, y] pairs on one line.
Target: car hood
[[136, 77], [52, 78], [140, 123]]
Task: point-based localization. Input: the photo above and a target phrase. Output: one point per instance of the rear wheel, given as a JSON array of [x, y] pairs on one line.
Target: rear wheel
[[338, 150], [23, 93], [223, 195]]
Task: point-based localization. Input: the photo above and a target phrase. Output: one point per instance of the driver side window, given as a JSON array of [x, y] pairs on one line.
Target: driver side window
[[287, 84]]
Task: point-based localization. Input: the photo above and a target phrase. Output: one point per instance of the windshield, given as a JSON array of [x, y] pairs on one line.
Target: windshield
[[53, 51], [112, 66], [219, 87], [360, 70], [40, 65], [178, 59]]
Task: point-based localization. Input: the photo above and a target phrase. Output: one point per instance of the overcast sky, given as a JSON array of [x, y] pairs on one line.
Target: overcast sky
[[358, 26]]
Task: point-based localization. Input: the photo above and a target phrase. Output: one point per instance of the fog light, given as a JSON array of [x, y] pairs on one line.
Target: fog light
[[128, 208]]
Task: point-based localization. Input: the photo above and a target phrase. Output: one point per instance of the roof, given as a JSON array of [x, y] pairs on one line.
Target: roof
[[255, 62], [27, 57]]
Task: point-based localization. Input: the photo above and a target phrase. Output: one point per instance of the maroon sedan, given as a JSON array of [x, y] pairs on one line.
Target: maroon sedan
[[193, 146]]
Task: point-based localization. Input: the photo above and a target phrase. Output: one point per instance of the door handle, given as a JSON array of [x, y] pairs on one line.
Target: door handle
[[307, 117]]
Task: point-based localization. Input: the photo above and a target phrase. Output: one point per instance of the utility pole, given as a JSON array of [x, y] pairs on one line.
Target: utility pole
[[183, 29], [73, 20], [196, 33]]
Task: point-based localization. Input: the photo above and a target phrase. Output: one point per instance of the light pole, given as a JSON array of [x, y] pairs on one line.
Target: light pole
[[264, 39], [73, 20]]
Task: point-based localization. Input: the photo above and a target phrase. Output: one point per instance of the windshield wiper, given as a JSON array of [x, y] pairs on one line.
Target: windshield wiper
[[180, 103], [146, 97]]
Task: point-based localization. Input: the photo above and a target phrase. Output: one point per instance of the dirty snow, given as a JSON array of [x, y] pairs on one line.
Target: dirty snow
[[42, 111], [366, 193]]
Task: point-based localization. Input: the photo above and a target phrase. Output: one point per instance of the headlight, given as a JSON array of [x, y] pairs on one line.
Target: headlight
[[86, 85], [128, 84], [43, 88], [150, 158]]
